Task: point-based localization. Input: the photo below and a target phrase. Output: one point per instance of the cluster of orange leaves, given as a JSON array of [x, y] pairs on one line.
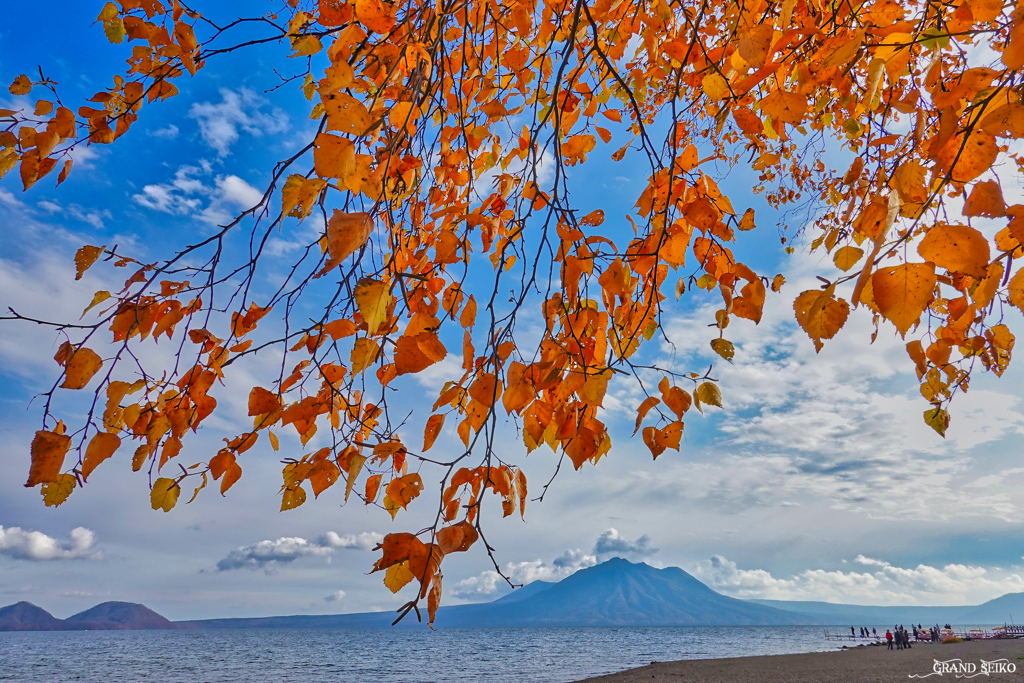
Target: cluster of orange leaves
[[892, 83]]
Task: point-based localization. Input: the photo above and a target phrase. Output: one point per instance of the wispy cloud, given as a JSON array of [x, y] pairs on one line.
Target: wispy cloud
[[270, 554], [879, 583], [220, 123], [195, 191]]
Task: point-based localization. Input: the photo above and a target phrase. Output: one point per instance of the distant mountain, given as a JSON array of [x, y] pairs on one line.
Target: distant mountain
[[117, 616], [1008, 608], [24, 616], [621, 593], [860, 615], [614, 593], [1001, 610]]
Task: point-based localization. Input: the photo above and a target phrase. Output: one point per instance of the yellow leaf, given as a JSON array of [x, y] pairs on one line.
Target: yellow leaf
[[292, 498], [847, 257], [83, 365], [391, 506], [398, 576], [364, 353], [97, 298], [275, 443], [164, 494], [373, 298], [58, 490], [724, 348], [346, 113], [708, 392], [903, 292], [715, 87], [299, 195], [938, 419], [1016, 290], [305, 46], [594, 388], [957, 248], [355, 465]]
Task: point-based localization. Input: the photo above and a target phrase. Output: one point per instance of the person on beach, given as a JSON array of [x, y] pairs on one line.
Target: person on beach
[[888, 638], [852, 632], [874, 631], [915, 631], [906, 640]]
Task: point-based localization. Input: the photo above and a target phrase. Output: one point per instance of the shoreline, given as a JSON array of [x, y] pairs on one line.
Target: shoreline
[[864, 664]]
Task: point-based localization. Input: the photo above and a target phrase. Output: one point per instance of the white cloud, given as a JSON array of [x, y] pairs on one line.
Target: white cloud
[[842, 427], [83, 156], [609, 544], [8, 199], [612, 544], [92, 217], [336, 596], [270, 554], [219, 123], [168, 133], [36, 546], [188, 193], [884, 584], [367, 540], [486, 583]]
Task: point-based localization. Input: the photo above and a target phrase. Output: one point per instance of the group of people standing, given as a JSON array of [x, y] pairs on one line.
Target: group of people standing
[[900, 637]]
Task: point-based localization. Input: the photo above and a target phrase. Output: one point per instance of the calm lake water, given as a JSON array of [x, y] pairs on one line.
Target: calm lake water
[[526, 655]]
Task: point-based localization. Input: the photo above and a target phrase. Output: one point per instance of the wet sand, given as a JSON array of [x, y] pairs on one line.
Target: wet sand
[[868, 664]]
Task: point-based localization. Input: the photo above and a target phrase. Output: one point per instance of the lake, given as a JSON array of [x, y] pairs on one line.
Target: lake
[[510, 655]]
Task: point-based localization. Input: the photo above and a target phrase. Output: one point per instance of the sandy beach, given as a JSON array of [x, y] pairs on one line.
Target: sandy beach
[[867, 664]]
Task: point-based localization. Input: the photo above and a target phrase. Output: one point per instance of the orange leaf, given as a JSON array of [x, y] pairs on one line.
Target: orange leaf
[[433, 428], [346, 113], [376, 15], [986, 200], [957, 248], [346, 234], [262, 401], [644, 408], [372, 486], [101, 447], [48, 451], [903, 292], [967, 158], [820, 314], [322, 476], [373, 298], [85, 258], [83, 365]]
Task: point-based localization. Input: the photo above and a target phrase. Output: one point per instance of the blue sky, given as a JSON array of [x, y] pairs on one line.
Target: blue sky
[[817, 481]]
